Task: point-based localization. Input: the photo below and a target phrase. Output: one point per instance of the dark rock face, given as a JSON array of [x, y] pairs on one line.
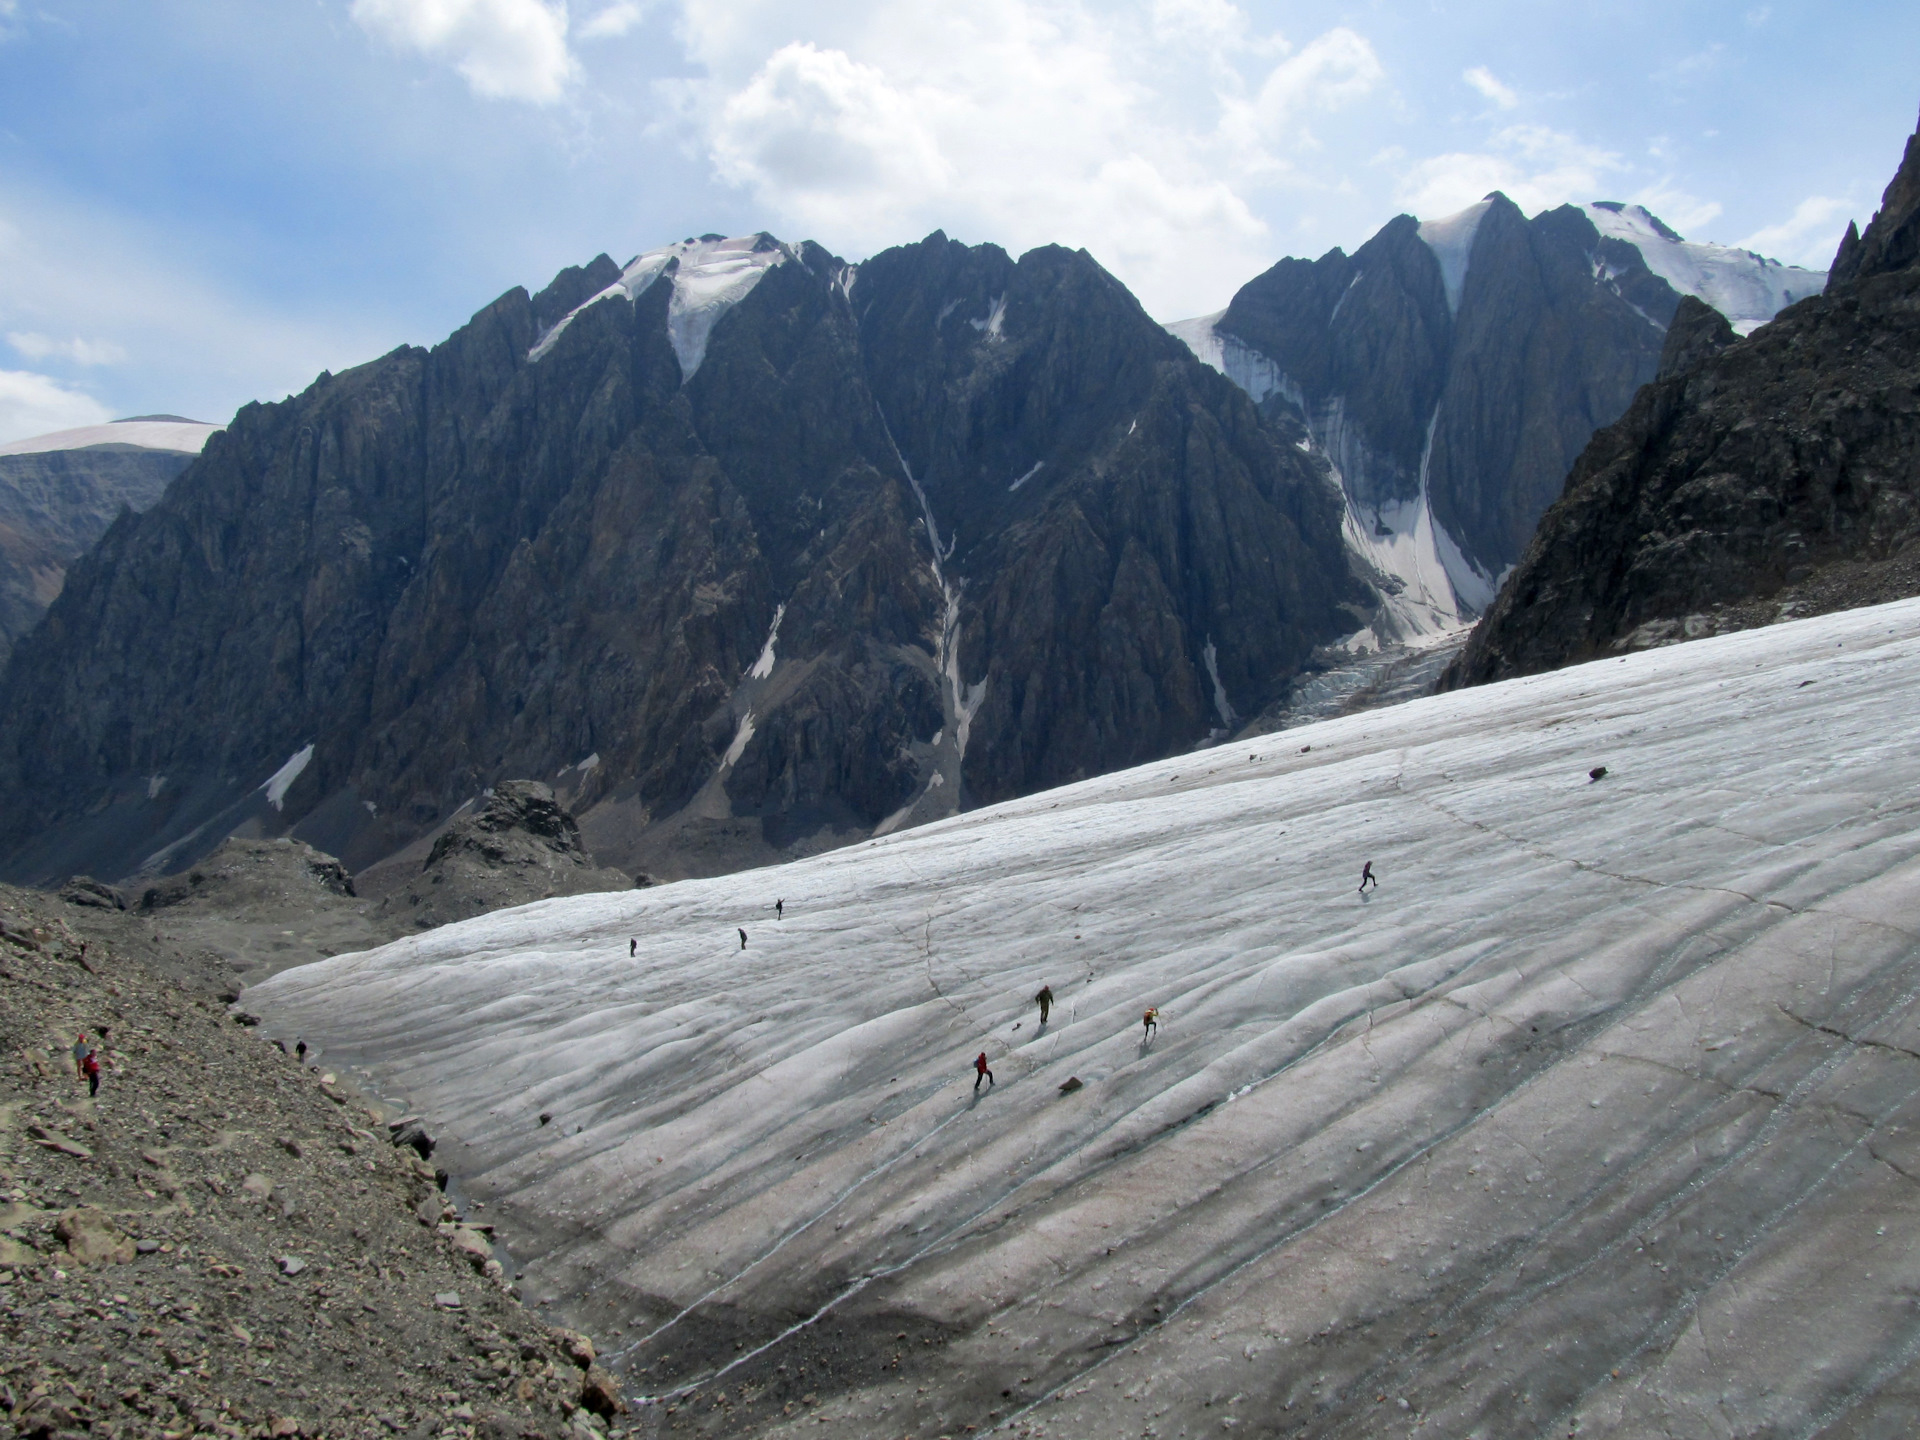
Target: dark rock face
[[1786, 465], [1483, 396], [938, 531], [56, 503], [521, 846], [517, 808], [1698, 331]]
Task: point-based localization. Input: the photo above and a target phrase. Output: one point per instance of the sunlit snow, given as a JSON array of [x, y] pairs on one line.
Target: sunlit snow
[[710, 277], [1451, 240], [186, 436], [277, 784], [763, 665], [1600, 1062], [1748, 289]]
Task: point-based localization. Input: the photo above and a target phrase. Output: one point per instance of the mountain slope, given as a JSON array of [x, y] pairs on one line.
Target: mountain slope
[[1777, 471], [1485, 1152], [752, 552], [1450, 371], [58, 494]]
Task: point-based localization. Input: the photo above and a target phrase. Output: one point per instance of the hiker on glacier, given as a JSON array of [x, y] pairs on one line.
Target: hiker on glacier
[[1045, 1001], [981, 1072], [743, 939], [1367, 877], [1149, 1023]]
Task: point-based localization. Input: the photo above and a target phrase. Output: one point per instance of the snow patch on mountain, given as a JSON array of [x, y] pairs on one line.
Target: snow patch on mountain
[[710, 276], [1429, 590], [156, 432], [763, 666], [1252, 371], [1747, 288], [995, 319], [277, 784], [1451, 240]]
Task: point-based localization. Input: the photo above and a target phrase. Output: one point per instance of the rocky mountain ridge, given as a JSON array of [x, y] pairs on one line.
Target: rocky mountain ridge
[[60, 492], [1450, 370], [1755, 479], [752, 551]]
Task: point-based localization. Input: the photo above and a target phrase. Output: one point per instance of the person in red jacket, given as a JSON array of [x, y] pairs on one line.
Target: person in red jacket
[[981, 1072], [90, 1067]]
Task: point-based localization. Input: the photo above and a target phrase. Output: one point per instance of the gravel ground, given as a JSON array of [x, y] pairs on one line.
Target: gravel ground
[[225, 1241]]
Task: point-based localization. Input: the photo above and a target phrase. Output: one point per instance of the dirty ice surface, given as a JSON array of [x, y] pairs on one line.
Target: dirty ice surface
[[1600, 1116], [710, 276]]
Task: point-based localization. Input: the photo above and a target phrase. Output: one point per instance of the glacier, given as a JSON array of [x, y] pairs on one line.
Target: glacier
[[1601, 1116], [1747, 288]]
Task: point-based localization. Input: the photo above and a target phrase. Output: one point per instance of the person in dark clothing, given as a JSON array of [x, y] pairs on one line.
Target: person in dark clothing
[[300, 1050], [743, 939], [633, 948], [90, 1067], [1045, 1001], [779, 909], [1367, 877], [981, 1072]]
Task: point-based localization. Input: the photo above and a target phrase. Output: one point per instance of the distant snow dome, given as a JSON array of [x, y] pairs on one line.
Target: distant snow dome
[[710, 276], [144, 432], [1748, 289], [1451, 240]]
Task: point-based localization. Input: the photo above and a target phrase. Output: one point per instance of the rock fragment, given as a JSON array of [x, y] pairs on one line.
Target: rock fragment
[[92, 1238]]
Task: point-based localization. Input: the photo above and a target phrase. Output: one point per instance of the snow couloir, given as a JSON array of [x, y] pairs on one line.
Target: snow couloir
[[1602, 1112]]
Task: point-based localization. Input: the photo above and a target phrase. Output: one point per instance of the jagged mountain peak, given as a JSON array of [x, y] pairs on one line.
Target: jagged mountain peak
[[709, 276], [794, 554], [1892, 240], [1750, 482], [1745, 286]]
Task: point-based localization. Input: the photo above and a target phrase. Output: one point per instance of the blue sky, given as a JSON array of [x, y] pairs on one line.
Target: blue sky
[[208, 202]]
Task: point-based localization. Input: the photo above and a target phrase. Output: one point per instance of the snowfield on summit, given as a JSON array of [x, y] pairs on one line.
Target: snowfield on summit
[[1599, 1115]]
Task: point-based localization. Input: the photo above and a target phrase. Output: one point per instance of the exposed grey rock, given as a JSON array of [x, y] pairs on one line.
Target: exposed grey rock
[[54, 505], [520, 846], [1697, 332], [85, 890], [450, 567], [1775, 477], [263, 905], [1556, 326]]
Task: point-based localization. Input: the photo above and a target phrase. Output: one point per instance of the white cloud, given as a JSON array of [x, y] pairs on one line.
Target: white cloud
[[1142, 137], [80, 352], [1537, 168], [613, 21], [33, 404], [504, 49], [83, 270], [1808, 237], [1482, 79], [1688, 214]]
